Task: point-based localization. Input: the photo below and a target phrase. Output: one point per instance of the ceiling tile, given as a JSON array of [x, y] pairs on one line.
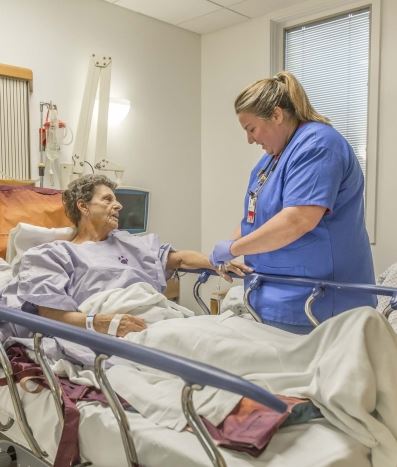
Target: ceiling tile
[[213, 21], [170, 11], [255, 8], [226, 3]]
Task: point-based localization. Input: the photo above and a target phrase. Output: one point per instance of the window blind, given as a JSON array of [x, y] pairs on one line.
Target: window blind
[[331, 60], [15, 85]]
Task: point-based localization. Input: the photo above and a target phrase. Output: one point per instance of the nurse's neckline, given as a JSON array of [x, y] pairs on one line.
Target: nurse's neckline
[[276, 156]]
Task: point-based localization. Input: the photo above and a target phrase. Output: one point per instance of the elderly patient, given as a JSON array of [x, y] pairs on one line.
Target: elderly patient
[[55, 278]]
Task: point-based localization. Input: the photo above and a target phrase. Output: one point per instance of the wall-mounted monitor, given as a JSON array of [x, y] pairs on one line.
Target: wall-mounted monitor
[[134, 215]]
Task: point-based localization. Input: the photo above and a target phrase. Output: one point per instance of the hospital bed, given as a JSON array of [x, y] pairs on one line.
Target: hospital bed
[[194, 374], [109, 436], [157, 446]]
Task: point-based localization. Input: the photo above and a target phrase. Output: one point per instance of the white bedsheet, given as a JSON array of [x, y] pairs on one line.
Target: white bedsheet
[[347, 367], [311, 444]]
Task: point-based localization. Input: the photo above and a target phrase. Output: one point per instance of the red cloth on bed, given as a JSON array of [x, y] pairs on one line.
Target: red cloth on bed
[[251, 425], [68, 449], [248, 428]]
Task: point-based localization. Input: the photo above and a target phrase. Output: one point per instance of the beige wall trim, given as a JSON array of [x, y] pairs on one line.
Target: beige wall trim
[[11, 71]]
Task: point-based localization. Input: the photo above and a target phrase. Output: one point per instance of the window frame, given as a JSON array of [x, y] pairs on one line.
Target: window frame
[[313, 11]]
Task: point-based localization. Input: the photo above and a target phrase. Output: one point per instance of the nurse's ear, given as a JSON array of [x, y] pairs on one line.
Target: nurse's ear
[[278, 115]]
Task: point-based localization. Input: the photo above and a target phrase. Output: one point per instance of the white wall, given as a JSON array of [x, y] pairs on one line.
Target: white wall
[[155, 65], [385, 249], [231, 59], [237, 56]]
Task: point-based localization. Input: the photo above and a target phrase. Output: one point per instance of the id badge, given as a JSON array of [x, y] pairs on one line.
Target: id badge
[[251, 209]]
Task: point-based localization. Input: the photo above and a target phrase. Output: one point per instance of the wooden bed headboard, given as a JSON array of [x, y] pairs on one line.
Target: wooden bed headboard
[[11, 181]]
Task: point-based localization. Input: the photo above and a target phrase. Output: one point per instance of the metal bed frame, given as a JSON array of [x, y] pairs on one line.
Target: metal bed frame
[[195, 375], [319, 287]]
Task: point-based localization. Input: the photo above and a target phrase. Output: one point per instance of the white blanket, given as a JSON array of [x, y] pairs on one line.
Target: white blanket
[[347, 367], [139, 299]]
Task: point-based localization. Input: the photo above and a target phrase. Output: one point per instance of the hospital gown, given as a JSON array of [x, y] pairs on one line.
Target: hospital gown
[[63, 274]]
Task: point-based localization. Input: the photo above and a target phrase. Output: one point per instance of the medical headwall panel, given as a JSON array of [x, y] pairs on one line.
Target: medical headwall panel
[[15, 87]]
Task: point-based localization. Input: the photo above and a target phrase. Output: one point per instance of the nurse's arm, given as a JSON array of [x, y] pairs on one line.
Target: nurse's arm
[[282, 229], [236, 233]]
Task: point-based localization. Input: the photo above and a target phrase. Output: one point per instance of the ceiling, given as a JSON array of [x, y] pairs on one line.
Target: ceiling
[[204, 16]]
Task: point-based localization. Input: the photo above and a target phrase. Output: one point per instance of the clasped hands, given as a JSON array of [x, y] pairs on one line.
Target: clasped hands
[[222, 259]]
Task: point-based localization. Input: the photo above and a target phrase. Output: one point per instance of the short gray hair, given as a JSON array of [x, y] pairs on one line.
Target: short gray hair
[[82, 189]]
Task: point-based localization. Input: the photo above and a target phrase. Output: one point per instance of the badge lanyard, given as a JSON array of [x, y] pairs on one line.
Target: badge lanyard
[[263, 177]]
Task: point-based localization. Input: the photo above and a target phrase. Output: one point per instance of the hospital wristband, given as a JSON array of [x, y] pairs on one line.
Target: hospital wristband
[[89, 322], [114, 325]]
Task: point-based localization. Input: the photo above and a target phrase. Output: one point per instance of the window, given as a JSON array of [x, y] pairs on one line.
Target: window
[[15, 84], [349, 32], [331, 60]]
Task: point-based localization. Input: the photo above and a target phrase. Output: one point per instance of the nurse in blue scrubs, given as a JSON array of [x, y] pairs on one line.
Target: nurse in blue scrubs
[[304, 207]]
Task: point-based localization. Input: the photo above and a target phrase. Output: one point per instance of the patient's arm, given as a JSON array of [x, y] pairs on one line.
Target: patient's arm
[[189, 259], [127, 324]]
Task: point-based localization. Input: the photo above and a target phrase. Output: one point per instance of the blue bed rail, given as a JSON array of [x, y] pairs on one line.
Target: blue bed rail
[[190, 371], [302, 281], [257, 279]]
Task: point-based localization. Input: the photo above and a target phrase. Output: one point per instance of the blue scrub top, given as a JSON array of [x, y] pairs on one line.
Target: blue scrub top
[[318, 167]]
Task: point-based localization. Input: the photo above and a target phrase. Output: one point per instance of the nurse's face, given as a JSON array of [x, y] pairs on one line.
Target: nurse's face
[[270, 134], [103, 209]]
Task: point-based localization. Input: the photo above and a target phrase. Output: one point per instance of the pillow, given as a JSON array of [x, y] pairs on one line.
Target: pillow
[[38, 206], [234, 300], [388, 279], [5, 274], [25, 236]]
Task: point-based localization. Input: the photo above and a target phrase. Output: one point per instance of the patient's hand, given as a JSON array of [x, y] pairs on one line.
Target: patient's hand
[[130, 323], [238, 268], [127, 324]]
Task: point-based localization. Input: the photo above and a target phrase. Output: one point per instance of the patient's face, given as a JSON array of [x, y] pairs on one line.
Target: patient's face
[[104, 208]]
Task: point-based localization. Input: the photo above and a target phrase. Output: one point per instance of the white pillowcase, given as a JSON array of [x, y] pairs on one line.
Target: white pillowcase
[[389, 279], [24, 236], [234, 300], [5, 273]]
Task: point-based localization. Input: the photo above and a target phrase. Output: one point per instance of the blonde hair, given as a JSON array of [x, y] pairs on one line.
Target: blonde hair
[[284, 91]]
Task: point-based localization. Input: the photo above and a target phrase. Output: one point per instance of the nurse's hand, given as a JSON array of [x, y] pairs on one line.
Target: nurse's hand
[[240, 269], [221, 253]]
